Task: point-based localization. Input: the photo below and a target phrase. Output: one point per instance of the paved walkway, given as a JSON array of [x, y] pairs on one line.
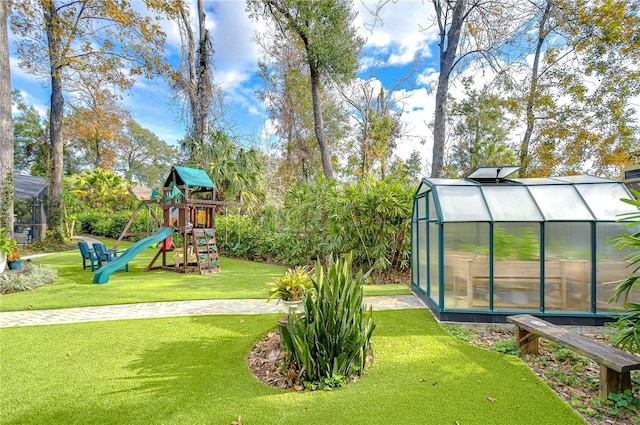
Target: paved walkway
[[173, 309]]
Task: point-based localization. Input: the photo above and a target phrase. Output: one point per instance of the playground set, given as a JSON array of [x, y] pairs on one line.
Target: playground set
[[188, 201]]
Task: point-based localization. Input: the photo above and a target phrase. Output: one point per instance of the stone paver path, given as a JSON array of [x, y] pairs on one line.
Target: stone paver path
[[173, 309]]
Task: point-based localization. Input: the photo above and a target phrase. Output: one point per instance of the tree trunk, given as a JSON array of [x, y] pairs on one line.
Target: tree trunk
[[531, 98], [55, 120], [325, 151], [98, 162], [204, 94], [6, 126], [447, 57]]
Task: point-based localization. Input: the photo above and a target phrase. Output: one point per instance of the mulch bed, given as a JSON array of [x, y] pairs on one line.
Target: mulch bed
[[573, 377]]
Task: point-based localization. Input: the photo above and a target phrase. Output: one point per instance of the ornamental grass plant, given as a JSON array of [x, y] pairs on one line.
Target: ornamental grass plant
[[329, 344]]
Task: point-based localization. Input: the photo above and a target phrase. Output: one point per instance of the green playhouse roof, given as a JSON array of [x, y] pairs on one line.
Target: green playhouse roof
[[190, 177]]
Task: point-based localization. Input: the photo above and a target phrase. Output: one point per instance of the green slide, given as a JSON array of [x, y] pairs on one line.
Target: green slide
[[103, 273]]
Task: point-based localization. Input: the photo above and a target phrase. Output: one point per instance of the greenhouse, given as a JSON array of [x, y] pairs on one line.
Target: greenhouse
[[487, 246]]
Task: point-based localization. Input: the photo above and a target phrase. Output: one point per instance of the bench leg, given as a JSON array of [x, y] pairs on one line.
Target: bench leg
[[526, 341], [613, 382]]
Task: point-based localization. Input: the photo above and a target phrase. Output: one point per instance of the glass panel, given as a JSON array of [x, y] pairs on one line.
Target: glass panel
[[560, 203], [462, 203], [511, 203], [452, 182], [611, 268], [604, 199], [516, 266], [537, 180], [493, 172], [422, 188], [433, 263], [582, 179], [466, 252], [567, 280], [433, 213], [421, 202], [422, 255]]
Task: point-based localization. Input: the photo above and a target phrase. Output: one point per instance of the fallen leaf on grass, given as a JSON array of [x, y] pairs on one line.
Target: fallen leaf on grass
[[491, 399], [238, 422]]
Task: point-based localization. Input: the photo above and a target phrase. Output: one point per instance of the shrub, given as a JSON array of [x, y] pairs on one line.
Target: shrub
[[329, 345], [243, 237], [32, 278], [109, 224]]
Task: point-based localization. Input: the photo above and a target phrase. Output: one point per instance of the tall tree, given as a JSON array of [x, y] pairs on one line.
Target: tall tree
[[467, 29], [576, 102], [95, 130], [31, 139], [544, 28], [287, 97], [61, 39], [479, 134], [377, 112], [324, 31], [194, 80], [143, 157], [6, 126]]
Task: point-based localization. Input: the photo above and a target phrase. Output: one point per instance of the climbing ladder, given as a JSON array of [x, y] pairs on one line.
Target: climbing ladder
[[206, 250]]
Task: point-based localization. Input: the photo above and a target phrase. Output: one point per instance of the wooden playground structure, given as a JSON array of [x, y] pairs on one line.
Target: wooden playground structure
[[188, 201]]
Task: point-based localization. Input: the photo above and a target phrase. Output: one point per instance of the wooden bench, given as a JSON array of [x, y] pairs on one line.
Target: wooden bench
[[615, 365]]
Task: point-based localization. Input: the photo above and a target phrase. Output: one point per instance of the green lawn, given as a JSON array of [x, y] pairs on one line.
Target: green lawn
[[75, 288], [193, 370]]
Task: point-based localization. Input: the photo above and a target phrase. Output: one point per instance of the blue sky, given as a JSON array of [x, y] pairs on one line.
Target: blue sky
[[395, 44]]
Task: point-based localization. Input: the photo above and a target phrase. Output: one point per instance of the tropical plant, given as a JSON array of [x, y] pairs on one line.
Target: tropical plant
[[7, 245], [14, 255], [101, 189], [371, 219], [627, 327], [293, 286], [329, 344]]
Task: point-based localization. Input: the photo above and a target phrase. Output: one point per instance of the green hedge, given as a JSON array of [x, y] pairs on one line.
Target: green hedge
[[243, 237], [109, 224]]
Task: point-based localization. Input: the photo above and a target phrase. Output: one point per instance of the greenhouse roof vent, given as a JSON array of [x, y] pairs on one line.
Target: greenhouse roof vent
[[493, 174]]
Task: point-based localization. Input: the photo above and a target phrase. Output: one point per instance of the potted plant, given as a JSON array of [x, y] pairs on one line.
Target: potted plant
[[13, 259], [291, 289], [7, 247]]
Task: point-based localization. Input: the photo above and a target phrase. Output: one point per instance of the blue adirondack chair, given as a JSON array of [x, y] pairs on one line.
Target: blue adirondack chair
[[107, 255], [89, 255]]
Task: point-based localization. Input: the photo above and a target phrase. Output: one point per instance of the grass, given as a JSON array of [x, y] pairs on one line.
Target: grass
[[75, 288], [193, 370]]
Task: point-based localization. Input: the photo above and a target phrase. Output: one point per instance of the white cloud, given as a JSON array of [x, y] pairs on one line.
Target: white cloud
[[419, 108], [398, 35], [232, 33]]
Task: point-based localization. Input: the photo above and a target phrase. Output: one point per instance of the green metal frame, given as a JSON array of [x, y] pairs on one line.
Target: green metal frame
[[542, 232]]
